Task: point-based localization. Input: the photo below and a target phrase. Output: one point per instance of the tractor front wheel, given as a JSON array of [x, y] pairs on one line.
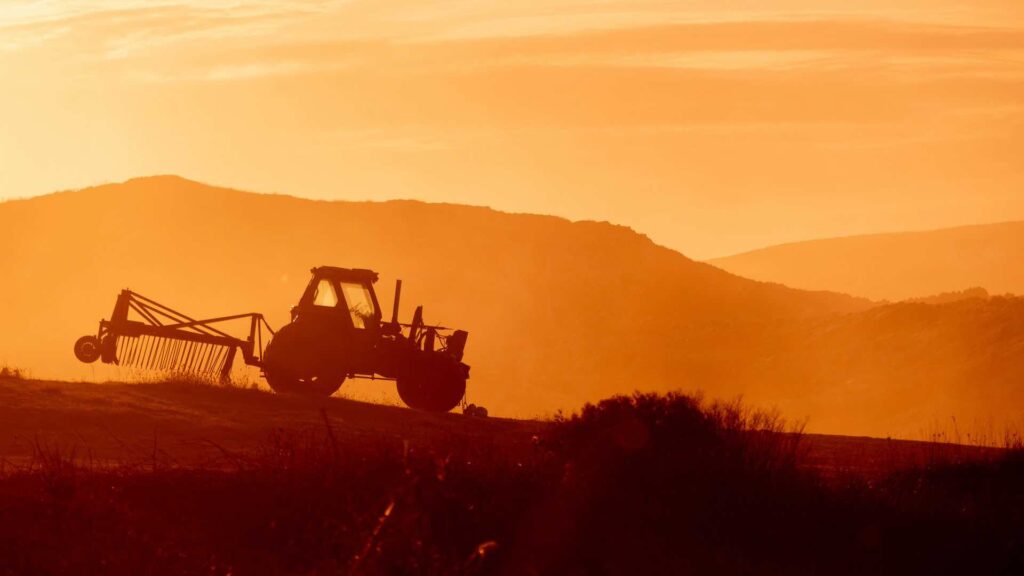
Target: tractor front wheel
[[433, 390]]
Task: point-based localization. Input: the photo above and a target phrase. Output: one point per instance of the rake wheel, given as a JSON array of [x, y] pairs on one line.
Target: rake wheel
[[87, 349]]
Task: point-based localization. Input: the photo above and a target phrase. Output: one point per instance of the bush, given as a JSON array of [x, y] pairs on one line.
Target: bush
[[6, 372]]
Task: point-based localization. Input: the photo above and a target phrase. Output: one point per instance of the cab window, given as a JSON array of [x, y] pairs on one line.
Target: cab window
[[360, 303], [325, 294]]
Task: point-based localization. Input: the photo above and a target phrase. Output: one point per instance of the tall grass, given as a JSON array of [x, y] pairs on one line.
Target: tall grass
[[641, 484], [9, 373]]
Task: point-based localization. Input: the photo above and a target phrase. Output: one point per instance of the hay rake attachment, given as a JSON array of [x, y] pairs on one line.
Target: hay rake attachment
[[146, 334]]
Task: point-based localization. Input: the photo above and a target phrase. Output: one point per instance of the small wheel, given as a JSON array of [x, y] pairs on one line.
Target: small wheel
[[438, 389], [87, 349]]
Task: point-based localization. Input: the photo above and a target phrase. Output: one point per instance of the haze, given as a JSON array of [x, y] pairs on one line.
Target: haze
[[711, 127], [559, 313]]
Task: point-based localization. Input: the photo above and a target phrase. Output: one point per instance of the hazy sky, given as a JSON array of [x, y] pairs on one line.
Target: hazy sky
[[711, 126]]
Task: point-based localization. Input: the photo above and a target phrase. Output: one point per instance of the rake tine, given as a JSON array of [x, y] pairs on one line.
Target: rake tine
[[211, 360], [140, 354], [206, 360], [180, 360], [182, 349], [131, 353], [187, 358], [172, 354], [215, 368], [161, 349], [218, 363], [147, 360], [137, 353], [159, 356], [193, 356], [177, 355], [219, 368], [165, 354], [175, 352], [126, 351], [140, 347], [225, 366], [154, 355], [172, 360], [168, 356], [129, 343], [196, 357], [140, 357], [198, 362], [225, 369], [199, 359]]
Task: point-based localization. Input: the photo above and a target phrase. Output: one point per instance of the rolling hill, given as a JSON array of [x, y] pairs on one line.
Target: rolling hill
[[895, 266], [558, 312]]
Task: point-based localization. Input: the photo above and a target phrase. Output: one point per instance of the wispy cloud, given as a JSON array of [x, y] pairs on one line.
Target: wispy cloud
[[29, 12], [563, 104], [235, 72], [16, 40]]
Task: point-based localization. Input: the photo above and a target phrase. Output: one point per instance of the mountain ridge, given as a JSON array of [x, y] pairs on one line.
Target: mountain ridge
[[559, 312], [895, 265]]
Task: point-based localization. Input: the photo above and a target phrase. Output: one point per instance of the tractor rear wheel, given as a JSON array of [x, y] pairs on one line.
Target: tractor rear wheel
[[87, 349], [296, 363], [437, 390]]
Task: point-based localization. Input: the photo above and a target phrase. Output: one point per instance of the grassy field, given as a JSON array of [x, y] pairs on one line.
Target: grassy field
[[173, 478]]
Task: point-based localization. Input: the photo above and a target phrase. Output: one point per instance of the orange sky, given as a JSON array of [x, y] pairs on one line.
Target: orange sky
[[711, 126]]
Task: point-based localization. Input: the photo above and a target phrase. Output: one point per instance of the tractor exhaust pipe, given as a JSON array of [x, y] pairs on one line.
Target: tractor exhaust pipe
[[398, 298]]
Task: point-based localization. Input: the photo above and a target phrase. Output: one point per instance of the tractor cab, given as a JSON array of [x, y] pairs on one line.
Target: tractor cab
[[341, 296]]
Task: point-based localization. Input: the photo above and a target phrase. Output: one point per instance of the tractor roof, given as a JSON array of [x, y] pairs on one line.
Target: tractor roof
[[356, 274]]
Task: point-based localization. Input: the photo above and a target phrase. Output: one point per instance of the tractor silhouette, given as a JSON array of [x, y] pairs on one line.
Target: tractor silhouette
[[336, 332]]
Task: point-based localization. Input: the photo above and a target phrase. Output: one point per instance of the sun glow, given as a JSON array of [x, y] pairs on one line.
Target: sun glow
[[729, 129]]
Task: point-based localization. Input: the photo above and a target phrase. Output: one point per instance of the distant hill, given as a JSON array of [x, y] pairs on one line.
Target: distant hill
[[948, 297], [895, 266], [558, 312]]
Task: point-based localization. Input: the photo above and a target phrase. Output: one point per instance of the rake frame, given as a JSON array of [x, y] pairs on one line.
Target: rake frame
[[194, 341]]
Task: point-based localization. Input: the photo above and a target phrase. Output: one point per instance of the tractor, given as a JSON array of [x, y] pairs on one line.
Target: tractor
[[336, 332]]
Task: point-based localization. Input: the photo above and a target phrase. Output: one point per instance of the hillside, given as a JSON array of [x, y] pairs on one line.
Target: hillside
[[895, 266], [177, 478], [559, 312], [193, 425]]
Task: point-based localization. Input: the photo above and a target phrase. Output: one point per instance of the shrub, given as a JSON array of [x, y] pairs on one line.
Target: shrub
[[6, 372]]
